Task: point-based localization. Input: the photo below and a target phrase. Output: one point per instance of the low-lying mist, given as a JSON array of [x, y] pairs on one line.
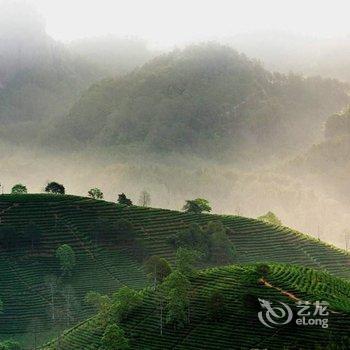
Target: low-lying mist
[[171, 180]]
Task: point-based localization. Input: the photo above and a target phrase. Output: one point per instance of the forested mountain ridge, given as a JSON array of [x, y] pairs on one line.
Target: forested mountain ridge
[[327, 162], [204, 99]]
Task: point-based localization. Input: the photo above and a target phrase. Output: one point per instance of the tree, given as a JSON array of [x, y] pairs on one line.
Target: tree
[[124, 301], [124, 230], [122, 199], [19, 189], [270, 218], [66, 256], [10, 345], [95, 193], [70, 304], [145, 199], [197, 206], [54, 187], [177, 288], [32, 234], [216, 305], [186, 260], [114, 338], [101, 303], [158, 268], [222, 250], [52, 283]]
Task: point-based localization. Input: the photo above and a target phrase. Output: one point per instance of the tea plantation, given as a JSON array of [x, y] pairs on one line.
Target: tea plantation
[[104, 265], [239, 326]]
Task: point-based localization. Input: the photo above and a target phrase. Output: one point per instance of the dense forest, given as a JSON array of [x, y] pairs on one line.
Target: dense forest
[[207, 99]]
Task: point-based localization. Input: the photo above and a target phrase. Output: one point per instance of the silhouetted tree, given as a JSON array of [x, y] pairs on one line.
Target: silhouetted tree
[[54, 187], [197, 206], [19, 189], [95, 193], [145, 199], [122, 199]]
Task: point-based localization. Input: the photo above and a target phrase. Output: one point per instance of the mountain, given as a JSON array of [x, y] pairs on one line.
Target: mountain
[[207, 100], [40, 78], [224, 304], [327, 162], [34, 290]]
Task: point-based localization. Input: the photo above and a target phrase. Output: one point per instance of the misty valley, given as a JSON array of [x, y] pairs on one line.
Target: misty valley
[[174, 190]]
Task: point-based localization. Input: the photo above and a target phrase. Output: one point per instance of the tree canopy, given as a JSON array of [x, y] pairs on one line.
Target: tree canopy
[[66, 256], [55, 187], [197, 206], [19, 189]]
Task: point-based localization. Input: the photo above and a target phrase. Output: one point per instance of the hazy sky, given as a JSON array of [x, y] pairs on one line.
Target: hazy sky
[[166, 22]]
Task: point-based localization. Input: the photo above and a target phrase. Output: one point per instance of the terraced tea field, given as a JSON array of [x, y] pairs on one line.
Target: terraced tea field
[[239, 327], [104, 267]]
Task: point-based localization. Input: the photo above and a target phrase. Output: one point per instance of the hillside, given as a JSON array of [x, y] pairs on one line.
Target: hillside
[[104, 265], [204, 99], [238, 326]]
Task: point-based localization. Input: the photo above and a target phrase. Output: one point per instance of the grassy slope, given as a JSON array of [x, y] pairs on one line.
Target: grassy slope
[[239, 328], [69, 219]]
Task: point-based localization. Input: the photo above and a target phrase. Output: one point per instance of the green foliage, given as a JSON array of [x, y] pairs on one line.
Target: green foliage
[[216, 305], [214, 99], [122, 199], [211, 242], [219, 306], [197, 206], [177, 290], [124, 301], [95, 193], [158, 268], [10, 345], [186, 260], [271, 218], [55, 188], [19, 189], [66, 256], [101, 303], [114, 338], [221, 248]]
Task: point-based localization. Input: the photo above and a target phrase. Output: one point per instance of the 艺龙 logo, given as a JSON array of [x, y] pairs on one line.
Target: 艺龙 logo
[[274, 315], [315, 314]]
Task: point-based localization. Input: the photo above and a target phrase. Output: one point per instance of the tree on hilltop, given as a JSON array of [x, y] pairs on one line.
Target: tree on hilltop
[[197, 206], [145, 199], [270, 218], [95, 193], [19, 189], [122, 199], [55, 187]]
